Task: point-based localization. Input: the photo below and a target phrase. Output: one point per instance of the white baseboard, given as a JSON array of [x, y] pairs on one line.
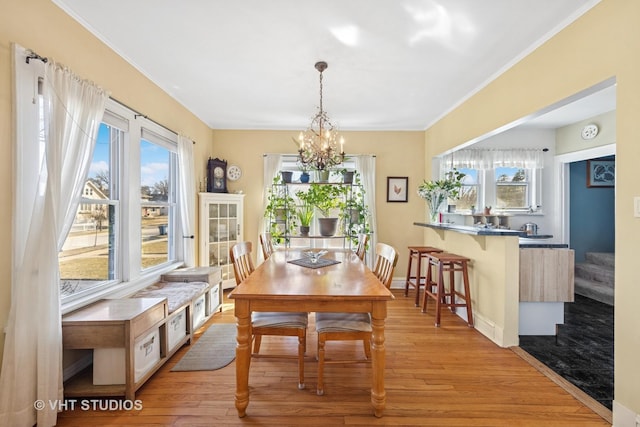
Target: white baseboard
[[398, 283], [77, 366], [624, 417]]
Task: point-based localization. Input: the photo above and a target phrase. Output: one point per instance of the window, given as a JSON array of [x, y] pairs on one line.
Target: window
[[512, 188], [355, 194], [503, 188], [470, 191], [125, 226], [89, 255], [157, 200]]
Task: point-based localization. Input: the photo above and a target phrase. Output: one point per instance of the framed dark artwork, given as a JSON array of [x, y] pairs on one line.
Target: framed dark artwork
[[216, 176], [601, 173], [397, 188]]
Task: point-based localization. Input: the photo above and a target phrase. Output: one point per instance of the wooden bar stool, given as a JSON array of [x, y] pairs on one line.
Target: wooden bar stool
[[447, 262], [419, 253]]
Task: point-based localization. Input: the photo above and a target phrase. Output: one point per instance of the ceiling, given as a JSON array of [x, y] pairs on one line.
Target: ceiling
[[393, 64]]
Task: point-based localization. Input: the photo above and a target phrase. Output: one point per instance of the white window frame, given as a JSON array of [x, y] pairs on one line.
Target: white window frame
[[487, 186], [131, 276]]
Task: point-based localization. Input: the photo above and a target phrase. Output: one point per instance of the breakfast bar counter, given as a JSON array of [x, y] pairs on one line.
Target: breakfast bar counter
[[507, 270]]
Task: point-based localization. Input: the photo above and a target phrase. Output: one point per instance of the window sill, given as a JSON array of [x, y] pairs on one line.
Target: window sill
[[120, 290]]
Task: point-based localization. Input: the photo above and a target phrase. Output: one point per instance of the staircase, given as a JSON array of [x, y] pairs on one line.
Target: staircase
[[595, 277]]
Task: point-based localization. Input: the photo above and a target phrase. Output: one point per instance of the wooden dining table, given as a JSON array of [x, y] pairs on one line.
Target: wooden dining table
[[279, 285]]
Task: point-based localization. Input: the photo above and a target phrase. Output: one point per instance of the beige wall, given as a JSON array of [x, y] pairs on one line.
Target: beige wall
[[43, 27], [569, 139], [603, 43], [397, 154]]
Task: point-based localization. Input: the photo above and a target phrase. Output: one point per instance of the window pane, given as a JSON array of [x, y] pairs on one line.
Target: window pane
[[469, 190], [88, 256], [512, 188], [156, 229], [511, 196], [468, 197], [511, 175]]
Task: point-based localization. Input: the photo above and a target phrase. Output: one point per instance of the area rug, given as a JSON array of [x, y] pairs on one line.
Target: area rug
[[215, 349]]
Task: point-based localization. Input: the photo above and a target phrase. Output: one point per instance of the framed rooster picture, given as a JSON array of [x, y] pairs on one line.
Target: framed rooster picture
[[397, 188]]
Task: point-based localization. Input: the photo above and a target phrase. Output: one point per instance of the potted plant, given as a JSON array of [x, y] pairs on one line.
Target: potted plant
[[322, 175], [304, 168], [353, 211], [437, 192], [304, 212], [347, 175], [326, 198], [280, 211]]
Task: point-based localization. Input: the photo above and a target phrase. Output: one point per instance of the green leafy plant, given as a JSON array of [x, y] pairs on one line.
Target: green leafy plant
[[325, 197], [304, 211], [437, 192], [354, 213], [280, 211]]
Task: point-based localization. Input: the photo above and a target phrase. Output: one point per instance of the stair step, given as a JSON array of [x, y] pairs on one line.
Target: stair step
[[601, 258], [594, 290], [595, 273]]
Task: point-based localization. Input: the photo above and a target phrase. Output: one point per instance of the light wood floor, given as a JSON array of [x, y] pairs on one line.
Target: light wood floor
[[447, 376]]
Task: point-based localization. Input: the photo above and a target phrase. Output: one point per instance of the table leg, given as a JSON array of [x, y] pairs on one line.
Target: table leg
[[243, 356], [378, 394]]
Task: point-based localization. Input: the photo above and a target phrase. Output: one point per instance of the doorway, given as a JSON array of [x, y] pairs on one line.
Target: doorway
[[582, 350]]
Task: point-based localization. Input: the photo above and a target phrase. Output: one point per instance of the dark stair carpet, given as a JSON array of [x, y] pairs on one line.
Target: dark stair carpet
[[582, 352]]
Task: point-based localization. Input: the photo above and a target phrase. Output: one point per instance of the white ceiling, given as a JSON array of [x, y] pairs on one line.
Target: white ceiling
[[393, 64]]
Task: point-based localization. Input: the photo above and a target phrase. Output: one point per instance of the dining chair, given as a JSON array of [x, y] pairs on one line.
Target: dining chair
[[361, 249], [353, 326], [266, 243], [270, 323]]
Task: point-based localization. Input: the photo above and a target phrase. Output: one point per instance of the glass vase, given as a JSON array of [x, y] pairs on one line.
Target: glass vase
[[435, 207]]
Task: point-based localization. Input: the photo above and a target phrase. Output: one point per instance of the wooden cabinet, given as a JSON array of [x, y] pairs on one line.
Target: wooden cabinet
[[129, 334], [546, 275], [221, 226]]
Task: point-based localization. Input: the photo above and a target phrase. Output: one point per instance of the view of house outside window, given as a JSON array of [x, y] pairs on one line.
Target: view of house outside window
[[88, 256]]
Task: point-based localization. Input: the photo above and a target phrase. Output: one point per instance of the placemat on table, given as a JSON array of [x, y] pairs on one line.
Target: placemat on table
[[306, 262]]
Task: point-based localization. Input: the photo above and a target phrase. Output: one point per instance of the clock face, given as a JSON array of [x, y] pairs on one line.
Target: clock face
[[234, 173], [589, 131], [218, 172]]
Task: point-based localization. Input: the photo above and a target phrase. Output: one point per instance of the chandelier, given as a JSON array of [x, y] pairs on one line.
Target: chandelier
[[318, 144]]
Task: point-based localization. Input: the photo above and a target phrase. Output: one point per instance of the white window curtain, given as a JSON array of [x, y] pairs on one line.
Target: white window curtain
[[32, 359], [487, 159], [366, 165], [187, 198]]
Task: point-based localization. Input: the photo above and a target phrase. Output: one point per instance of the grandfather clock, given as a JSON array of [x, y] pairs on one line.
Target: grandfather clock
[[216, 176]]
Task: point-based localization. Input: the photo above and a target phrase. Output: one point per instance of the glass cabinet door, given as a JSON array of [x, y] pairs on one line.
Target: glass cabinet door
[[221, 220]]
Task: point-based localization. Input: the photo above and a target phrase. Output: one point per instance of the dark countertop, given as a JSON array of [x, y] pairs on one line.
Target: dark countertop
[[544, 245], [473, 230], [536, 236]]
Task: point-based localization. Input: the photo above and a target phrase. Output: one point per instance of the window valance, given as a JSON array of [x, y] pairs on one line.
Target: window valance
[[483, 159]]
